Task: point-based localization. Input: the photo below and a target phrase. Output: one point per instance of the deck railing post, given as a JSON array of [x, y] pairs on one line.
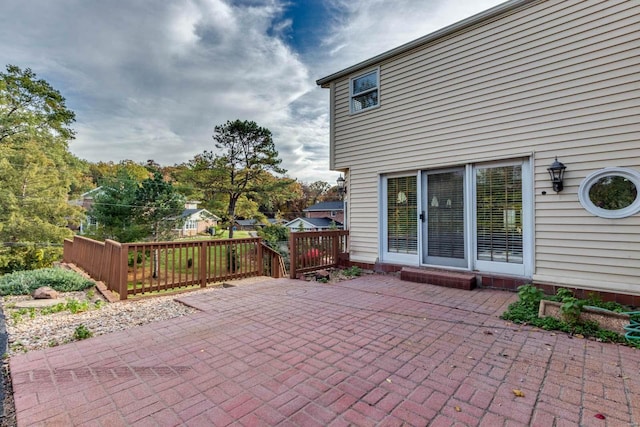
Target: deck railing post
[[293, 256], [122, 273], [260, 260], [203, 267]]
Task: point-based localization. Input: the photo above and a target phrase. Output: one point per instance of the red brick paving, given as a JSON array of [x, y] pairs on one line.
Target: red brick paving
[[371, 351]]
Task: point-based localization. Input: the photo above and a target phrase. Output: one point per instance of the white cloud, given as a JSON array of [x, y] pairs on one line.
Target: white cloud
[[149, 79]]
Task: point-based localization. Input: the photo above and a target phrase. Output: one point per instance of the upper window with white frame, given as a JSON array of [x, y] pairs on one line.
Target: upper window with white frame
[[364, 91]]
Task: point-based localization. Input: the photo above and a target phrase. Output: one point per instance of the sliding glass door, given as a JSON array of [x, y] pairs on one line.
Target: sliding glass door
[[477, 217], [443, 208]]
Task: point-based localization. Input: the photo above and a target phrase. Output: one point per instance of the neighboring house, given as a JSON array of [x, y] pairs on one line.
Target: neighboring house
[[312, 224], [196, 220], [248, 224], [445, 144], [276, 221], [86, 201], [321, 216], [333, 210]]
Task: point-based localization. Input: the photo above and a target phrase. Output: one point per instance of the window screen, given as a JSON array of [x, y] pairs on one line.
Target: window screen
[[402, 221], [364, 92]]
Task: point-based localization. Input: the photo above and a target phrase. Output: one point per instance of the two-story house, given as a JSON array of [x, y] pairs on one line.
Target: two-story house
[[449, 145]]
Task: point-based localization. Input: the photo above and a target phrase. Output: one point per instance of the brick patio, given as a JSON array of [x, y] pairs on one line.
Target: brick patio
[[371, 351]]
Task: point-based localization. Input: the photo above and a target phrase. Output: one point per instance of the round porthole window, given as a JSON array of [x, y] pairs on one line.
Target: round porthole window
[[611, 193]]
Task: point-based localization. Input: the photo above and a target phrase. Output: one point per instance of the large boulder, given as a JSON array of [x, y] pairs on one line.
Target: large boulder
[[45, 292]]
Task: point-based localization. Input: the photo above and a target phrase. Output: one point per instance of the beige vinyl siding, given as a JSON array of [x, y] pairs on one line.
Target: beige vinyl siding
[[554, 78], [363, 217]]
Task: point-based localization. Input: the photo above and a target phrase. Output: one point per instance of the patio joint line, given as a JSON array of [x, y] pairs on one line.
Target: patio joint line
[[627, 392]]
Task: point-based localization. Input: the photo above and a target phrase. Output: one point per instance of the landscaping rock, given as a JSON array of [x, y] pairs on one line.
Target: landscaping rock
[[45, 292], [322, 275]]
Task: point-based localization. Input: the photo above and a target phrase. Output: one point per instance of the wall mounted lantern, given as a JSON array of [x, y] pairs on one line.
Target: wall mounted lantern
[[556, 172], [342, 189]]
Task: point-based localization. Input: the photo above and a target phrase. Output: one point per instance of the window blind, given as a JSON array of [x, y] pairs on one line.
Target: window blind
[[499, 214], [445, 214], [402, 221]]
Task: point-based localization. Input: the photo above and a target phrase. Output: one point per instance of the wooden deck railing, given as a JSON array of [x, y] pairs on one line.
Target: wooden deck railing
[[316, 250], [140, 268], [273, 263]]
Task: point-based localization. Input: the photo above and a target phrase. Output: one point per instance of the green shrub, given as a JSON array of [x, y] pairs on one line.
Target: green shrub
[[82, 333], [27, 257], [530, 295], [25, 282], [352, 271], [525, 311], [75, 306]]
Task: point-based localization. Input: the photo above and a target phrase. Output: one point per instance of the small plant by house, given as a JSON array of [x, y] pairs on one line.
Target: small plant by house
[[25, 282], [525, 311], [353, 271]]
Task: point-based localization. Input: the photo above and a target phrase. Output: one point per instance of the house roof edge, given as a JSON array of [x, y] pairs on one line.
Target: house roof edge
[[443, 32]]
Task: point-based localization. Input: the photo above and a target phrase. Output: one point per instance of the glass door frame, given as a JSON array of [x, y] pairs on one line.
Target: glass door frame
[[526, 268], [471, 230], [426, 200]]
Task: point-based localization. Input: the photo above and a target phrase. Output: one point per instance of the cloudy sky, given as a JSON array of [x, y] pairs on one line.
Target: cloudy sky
[[149, 79]]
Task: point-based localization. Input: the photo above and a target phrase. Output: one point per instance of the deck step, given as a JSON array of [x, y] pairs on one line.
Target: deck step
[[449, 279]]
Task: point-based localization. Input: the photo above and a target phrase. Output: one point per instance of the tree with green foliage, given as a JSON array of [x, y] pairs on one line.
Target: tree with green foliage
[[37, 172], [103, 170], [112, 209], [242, 165], [158, 207], [128, 210], [30, 106]]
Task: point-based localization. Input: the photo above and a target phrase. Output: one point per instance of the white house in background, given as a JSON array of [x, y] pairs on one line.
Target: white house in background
[[313, 224], [86, 201], [321, 216], [196, 220], [446, 141]]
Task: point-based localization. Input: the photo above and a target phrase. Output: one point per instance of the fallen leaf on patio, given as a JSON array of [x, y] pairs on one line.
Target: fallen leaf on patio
[[470, 357], [388, 380], [457, 408], [599, 416], [518, 393], [579, 336], [488, 333]]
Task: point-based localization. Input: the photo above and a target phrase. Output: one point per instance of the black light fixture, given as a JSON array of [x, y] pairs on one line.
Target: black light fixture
[[556, 172], [341, 187]]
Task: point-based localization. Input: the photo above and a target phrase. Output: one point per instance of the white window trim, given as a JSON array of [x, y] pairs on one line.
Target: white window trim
[[352, 95], [526, 268], [585, 186]]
